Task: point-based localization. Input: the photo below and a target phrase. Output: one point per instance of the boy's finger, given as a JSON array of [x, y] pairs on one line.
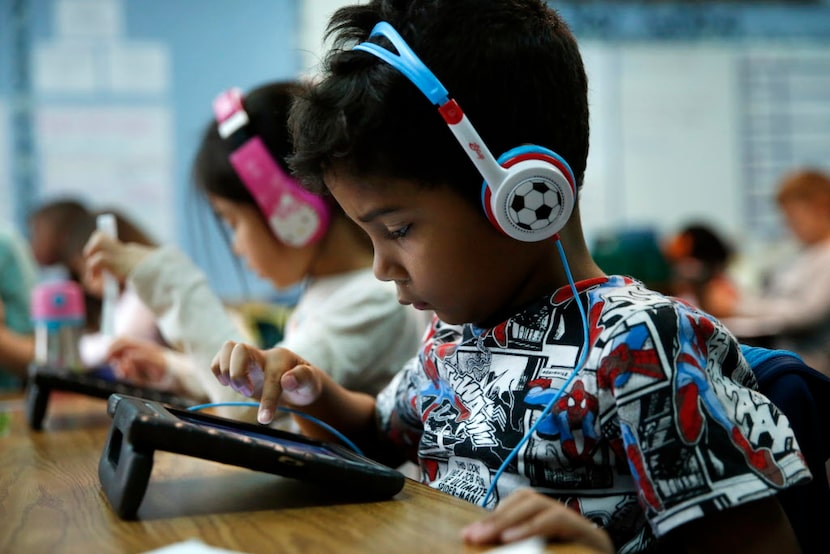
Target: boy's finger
[[271, 392], [238, 368], [219, 365], [299, 386], [560, 524]]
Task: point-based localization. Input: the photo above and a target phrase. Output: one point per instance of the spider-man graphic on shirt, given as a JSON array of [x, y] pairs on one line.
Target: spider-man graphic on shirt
[[660, 426]]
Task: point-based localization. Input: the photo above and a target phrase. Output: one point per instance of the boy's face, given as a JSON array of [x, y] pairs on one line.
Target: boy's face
[[438, 248]]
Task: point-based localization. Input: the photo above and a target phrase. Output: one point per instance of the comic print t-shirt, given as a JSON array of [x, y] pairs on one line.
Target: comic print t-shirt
[[661, 425]]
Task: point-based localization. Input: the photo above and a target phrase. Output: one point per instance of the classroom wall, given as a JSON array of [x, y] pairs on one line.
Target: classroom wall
[[314, 15], [710, 143], [696, 110], [117, 96]]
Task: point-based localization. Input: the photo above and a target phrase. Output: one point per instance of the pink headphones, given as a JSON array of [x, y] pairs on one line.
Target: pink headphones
[[296, 216]]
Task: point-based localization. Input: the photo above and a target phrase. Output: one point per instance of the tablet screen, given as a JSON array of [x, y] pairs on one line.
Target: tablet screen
[[296, 446]]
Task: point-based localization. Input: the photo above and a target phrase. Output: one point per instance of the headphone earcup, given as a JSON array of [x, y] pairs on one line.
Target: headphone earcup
[[535, 198], [297, 219], [296, 216]]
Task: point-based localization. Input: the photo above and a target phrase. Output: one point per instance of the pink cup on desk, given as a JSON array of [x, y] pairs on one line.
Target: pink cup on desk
[[58, 314]]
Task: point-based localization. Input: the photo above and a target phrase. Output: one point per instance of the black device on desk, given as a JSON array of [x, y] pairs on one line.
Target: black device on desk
[[44, 379], [140, 427]]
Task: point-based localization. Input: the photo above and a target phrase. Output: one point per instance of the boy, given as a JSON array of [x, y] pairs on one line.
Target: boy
[[633, 409]]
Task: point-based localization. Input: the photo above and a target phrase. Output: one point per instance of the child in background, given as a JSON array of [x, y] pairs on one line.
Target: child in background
[[59, 231], [18, 273], [699, 258], [48, 227], [793, 309], [345, 320], [132, 319], [630, 407]]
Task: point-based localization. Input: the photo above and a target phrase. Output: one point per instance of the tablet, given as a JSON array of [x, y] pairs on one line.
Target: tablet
[[43, 380], [140, 427]]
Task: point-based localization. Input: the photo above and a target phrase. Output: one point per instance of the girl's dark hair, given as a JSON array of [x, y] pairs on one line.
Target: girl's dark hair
[[267, 108], [513, 66], [60, 216]]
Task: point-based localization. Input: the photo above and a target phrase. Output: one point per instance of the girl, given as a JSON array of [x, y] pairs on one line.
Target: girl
[[792, 311], [59, 230], [345, 319]]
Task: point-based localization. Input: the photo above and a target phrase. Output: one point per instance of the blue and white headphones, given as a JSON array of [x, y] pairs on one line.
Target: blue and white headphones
[[529, 192]]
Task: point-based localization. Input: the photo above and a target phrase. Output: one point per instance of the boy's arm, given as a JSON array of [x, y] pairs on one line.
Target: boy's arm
[[352, 413], [757, 527]]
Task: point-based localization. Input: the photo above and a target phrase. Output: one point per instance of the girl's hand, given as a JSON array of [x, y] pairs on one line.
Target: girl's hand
[[527, 513], [103, 252], [141, 362], [275, 376]]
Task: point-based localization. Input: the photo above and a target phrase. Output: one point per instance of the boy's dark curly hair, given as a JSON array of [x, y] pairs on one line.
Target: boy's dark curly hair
[[512, 65]]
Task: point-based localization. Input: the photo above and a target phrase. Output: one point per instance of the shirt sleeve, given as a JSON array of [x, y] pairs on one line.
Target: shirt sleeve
[[190, 317], [397, 410], [697, 438], [799, 298], [17, 278], [185, 373]]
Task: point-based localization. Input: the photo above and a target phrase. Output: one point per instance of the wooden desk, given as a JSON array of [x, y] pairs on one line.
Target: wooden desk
[[51, 500]]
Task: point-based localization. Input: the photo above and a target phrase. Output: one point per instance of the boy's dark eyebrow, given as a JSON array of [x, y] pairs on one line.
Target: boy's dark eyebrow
[[374, 214]]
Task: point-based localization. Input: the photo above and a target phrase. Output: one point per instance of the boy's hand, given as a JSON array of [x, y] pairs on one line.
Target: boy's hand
[[103, 252], [275, 376], [526, 513]]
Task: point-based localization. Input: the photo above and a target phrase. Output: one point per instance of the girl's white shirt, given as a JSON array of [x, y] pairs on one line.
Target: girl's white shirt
[[350, 325]]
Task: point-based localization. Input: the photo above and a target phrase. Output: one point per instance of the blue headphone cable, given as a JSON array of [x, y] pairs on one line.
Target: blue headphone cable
[[298, 413], [580, 362]]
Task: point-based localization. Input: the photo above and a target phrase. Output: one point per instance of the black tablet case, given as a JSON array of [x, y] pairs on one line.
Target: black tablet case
[[140, 427], [43, 380]]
